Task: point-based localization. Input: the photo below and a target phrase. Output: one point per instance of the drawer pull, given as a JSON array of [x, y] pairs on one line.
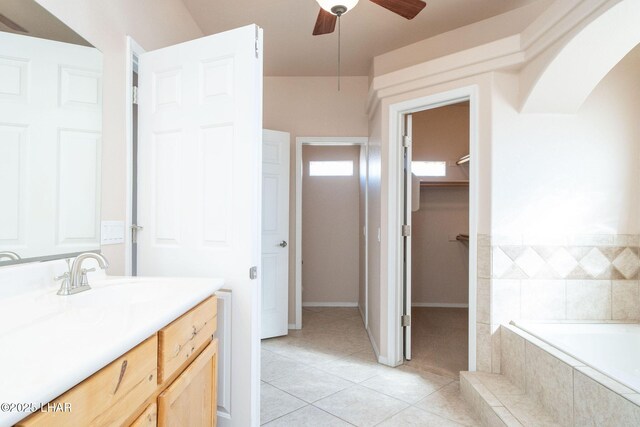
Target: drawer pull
[[123, 369]]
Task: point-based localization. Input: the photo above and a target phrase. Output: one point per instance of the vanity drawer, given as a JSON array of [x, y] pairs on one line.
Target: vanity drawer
[[179, 342], [109, 396]]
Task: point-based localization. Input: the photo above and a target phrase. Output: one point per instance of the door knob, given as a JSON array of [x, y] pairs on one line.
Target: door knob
[[283, 244]]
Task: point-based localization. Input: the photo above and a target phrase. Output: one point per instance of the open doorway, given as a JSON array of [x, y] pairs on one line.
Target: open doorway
[[331, 232], [437, 246], [400, 232]]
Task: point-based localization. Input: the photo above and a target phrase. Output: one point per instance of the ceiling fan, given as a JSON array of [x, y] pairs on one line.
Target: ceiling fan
[[331, 10]]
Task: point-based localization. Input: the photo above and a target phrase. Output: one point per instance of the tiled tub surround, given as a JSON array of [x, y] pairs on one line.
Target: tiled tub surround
[[541, 385], [585, 277], [611, 348]]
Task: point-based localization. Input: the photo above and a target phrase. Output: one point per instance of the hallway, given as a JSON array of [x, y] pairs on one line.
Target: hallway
[[326, 375]]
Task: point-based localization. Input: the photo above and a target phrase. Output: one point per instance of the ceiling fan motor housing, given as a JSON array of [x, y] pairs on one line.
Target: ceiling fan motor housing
[[339, 10]]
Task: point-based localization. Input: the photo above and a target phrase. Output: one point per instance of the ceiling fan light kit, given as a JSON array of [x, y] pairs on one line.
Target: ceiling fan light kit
[[337, 7]]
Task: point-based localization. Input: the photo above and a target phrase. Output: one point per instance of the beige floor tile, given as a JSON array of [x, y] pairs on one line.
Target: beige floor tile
[[413, 416], [368, 355], [321, 362], [309, 416], [310, 384], [406, 384], [341, 312], [275, 403], [499, 385], [361, 406], [354, 369], [448, 403], [310, 352], [528, 411], [274, 365]]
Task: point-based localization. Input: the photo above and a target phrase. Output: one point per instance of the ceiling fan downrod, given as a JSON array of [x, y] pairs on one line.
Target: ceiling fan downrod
[[338, 11]]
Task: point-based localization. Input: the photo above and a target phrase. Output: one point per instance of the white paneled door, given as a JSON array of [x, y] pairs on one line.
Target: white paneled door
[[275, 233], [199, 181]]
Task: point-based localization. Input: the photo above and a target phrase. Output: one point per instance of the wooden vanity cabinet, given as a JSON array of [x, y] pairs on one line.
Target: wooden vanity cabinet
[[168, 380], [191, 400]]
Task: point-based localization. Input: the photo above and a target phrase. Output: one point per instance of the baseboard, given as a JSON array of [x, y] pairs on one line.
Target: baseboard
[[362, 315], [292, 326], [439, 304], [381, 359], [329, 304]]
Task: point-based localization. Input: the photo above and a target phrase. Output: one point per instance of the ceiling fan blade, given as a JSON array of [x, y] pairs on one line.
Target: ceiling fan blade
[[325, 23], [405, 8]]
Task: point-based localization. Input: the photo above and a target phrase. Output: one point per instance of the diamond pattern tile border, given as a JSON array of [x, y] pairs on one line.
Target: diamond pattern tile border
[[565, 262]]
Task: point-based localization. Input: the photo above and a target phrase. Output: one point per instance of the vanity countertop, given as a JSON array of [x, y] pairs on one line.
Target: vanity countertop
[[49, 343]]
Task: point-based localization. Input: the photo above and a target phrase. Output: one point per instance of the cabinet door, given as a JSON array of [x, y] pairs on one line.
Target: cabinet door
[[191, 400], [149, 418]]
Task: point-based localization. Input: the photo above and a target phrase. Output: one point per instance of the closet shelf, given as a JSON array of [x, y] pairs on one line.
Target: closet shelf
[[444, 184]]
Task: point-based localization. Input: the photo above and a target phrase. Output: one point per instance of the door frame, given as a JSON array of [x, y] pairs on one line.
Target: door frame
[[134, 51], [363, 142], [395, 207]]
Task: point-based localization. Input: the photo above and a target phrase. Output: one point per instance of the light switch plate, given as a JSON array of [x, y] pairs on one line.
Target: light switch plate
[[112, 232]]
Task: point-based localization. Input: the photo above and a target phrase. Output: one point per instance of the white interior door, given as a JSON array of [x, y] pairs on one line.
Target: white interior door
[[275, 233], [200, 161], [406, 321]]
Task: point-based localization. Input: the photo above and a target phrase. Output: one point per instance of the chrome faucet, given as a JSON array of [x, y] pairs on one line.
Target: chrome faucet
[[75, 279], [11, 256]]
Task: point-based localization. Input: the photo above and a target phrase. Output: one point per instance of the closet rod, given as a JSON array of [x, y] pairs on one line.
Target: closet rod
[[462, 237], [444, 183], [463, 159]]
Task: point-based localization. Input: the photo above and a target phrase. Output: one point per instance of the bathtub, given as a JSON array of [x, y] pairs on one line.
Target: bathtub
[[611, 348]]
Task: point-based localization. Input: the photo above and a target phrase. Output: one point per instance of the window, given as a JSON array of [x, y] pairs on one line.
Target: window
[[331, 168], [429, 168]]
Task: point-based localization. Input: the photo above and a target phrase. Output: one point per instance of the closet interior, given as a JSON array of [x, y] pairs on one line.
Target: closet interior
[[440, 239]]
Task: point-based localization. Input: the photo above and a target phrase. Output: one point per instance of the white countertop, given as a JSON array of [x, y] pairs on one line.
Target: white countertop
[[49, 343]]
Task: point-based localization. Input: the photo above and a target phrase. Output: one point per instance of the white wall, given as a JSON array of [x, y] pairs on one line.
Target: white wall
[[362, 239], [105, 24], [375, 292], [569, 174], [330, 229], [312, 106]]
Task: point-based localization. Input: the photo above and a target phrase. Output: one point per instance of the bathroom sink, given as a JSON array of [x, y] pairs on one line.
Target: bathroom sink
[[58, 341]]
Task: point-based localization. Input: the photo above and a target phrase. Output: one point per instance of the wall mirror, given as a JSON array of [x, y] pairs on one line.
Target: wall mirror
[[50, 136]]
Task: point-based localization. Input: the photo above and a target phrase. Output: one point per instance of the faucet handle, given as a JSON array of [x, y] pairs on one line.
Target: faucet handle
[[64, 276], [65, 287], [83, 275]]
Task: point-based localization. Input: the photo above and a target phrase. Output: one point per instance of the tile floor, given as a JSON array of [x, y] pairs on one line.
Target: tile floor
[[326, 375], [440, 340]]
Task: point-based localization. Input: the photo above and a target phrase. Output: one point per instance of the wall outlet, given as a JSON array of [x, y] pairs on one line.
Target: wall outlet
[[112, 232]]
